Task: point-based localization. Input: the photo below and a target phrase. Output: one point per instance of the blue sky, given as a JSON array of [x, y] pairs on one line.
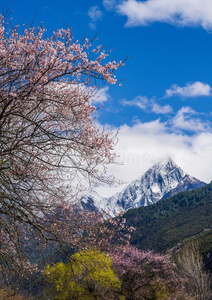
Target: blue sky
[[164, 106]]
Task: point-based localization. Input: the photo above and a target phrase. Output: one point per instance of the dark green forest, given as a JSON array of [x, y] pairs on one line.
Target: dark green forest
[[169, 222]]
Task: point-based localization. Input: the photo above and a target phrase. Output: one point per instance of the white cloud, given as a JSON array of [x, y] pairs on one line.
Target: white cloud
[[148, 105], [101, 96], [177, 12], [184, 120], [194, 89], [109, 4], [139, 101], [161, 109], [95, 15]]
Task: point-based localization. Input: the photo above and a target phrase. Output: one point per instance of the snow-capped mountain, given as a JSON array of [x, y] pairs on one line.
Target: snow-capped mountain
[[163, 180]]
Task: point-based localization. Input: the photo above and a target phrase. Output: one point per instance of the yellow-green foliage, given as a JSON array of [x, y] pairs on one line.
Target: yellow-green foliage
[[6, 294], [87, 276]]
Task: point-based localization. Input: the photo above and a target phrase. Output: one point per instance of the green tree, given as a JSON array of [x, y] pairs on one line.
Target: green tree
[[87, 275]]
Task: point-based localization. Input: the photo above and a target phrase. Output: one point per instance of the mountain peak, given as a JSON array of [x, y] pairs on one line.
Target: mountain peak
[[163, 180], [165, 163]]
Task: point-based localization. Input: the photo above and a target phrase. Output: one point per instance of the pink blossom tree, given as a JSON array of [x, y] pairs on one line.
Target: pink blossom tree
[[146, 275], [49, 142]]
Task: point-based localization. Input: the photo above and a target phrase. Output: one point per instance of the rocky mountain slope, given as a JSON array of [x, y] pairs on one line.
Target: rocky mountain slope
[[161, 181]]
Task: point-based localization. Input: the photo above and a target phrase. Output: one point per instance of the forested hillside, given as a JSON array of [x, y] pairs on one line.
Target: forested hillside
[[168, 222]]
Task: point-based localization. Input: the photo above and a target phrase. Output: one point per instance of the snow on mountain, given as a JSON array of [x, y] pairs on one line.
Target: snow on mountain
[[163, 180]]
